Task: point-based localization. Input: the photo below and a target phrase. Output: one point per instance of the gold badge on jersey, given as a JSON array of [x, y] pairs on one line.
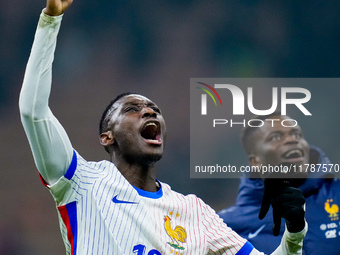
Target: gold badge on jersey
[[332, 209], [178, 235]]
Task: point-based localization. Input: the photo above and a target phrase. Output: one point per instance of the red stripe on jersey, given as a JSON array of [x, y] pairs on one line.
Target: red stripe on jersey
[[42, 180], [64, 215]]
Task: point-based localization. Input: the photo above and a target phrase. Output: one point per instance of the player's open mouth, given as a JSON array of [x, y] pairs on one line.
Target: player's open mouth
[[293, 154], [151, 132]]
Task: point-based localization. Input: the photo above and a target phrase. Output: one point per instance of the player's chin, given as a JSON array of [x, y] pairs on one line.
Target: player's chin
[[152, 153], [144, 158], [156, 153], [151, 158]]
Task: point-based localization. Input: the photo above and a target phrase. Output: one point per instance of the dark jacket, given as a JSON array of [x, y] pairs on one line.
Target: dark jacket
[[322, 213]]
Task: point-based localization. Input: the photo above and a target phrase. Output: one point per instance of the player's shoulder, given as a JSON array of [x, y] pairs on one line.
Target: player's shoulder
[[94, 167]]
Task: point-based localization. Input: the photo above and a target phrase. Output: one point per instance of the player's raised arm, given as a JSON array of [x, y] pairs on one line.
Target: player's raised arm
[[51, 147]]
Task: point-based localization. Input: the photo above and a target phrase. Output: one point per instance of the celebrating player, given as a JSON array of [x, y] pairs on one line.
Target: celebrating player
[[118, 206]]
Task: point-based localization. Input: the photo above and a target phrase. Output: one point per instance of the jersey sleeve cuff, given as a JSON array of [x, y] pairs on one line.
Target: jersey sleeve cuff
[[246, 249], [61, 189], [46, 20], [297, 237]]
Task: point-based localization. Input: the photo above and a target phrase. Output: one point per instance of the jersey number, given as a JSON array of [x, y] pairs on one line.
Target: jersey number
[[140, 250]]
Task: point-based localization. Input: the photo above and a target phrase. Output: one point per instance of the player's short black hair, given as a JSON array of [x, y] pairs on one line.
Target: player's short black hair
[[247, 132], [106, 116]]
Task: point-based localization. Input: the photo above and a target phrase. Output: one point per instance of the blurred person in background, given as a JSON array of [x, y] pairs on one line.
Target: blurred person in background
[[272, 144]]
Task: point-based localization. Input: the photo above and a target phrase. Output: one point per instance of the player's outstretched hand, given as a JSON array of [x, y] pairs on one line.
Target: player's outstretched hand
[[287, 203], [57, 7]]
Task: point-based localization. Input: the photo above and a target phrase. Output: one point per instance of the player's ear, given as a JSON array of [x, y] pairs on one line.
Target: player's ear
[[253, 160], [106, 138]]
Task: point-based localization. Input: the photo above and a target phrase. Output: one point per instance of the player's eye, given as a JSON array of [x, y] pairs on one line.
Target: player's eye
[[297, 135], [131, 109], [275, 137], [156, 109]]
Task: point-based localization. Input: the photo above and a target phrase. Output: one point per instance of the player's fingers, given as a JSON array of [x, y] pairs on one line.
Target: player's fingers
[[266, 199], [264, 208], [276, 222], [66, 4], [57, 7]]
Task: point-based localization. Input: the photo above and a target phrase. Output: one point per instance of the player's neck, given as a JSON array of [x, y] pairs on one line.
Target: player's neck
[[142, 177]]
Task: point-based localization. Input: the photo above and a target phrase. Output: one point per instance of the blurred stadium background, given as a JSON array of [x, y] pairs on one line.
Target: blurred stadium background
[[153, 47]]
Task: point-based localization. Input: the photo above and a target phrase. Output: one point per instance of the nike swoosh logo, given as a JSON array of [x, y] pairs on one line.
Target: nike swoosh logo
[[117, 201], [252, 235]]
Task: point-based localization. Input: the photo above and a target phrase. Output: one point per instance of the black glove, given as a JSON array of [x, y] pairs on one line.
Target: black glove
[[287, 202]]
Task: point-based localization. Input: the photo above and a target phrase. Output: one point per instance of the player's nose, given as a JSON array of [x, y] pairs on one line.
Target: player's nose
[[291, 139], [148, 112]]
